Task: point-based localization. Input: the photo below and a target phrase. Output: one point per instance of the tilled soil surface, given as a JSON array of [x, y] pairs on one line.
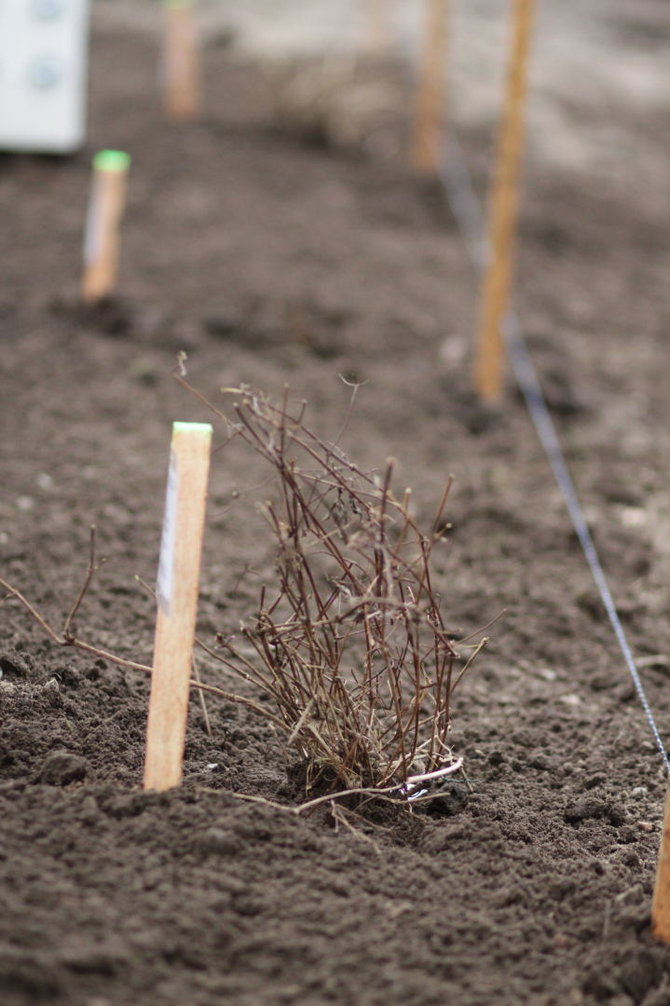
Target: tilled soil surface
[[273, 261]]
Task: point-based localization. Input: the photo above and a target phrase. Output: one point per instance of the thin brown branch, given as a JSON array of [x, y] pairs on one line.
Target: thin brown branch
[[93, 567]]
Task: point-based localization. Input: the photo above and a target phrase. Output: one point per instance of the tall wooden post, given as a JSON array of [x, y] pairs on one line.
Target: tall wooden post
[[660, 906], [377, 39], [503, 211], [181, 61], [429, 118]]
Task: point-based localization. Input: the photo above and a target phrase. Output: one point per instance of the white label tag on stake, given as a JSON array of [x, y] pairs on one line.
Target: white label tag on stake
[[93, 232], [164, 582]]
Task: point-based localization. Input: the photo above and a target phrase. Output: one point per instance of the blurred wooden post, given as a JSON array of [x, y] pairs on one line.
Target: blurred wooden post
[[429, 118], [503, 209], [181, 61], [105, 209], [177, 594], [660, 906], [378, 28]]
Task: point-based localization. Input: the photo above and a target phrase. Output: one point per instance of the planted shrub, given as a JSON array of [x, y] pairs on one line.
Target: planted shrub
[[348, 641]]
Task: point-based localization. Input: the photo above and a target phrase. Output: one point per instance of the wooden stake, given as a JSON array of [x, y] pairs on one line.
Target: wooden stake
[[181, 63], [177, 594], [378, 28], [660, 906], [428, 130], [503, 210], [101, 242]]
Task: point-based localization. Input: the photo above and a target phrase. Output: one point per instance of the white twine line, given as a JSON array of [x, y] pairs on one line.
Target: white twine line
[[467, 212]]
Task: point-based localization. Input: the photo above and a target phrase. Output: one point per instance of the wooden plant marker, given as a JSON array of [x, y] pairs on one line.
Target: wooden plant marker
[[503, 207], [660, 906], [101, 241], [428, 129], [181, 61], [177, 595]]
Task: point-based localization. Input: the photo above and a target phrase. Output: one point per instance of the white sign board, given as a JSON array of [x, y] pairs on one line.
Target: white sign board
[[43, 70]]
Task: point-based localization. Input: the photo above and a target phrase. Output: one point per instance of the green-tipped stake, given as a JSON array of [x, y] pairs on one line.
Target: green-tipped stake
[[101, 241], [111, 160]]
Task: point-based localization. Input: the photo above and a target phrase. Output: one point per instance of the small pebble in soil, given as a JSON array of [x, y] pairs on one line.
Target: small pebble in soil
[[61, 768], [13, 666], [540, 762], [450, 800], [594, 809], [44, 481], [51, 693], [642, 972], [218, 842], [546, 673], [593, 781], [631, 516]]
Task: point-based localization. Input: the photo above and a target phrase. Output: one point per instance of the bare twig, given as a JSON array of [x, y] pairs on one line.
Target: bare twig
[[201, 697], [93, 567], [96, 651]]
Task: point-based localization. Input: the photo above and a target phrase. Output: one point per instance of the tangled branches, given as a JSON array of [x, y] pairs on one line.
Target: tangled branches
[[348, 643]]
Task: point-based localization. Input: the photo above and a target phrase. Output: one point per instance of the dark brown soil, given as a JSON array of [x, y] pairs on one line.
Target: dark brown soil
[[272, 262]]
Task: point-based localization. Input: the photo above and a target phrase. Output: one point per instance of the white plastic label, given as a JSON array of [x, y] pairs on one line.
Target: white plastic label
[[43, 69], [164, 581], [93, 231]]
